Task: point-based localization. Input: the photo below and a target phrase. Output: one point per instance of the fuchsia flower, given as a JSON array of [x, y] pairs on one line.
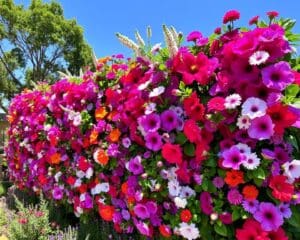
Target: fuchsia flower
[[233, 158], [261, 128], [230, 16]]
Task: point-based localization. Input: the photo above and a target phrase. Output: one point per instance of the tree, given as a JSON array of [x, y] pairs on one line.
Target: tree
[[35, 43]]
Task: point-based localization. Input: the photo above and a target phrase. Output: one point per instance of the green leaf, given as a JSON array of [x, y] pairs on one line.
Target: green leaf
[[259, 174], [180, 138], [221, 229], [292, 90], [189, 149], [295, 219], [236, 214]]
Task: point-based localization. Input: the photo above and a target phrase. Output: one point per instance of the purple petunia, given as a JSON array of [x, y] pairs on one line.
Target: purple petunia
[[57, 193], [141, 211], [135, 165], [153, 141], [169, 120], [277, 76], [150, 122], [250, 206], [285, 210], [268, 216], [233, 158], [261, 128]]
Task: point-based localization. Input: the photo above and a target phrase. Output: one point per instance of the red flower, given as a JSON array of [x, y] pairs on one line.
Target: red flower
[[106, 212], [216, 104], [165, 231], [83, 164], [218, 30], [282, 117], [231, 15], [282, 190], [192, 131], [193, 108], [172, 153], [251, 230], [201, 152], [253, 20], [226, 218], [297, 78], [278, 235], [193, 68], [273, 14], [183, 173], [185, 215]]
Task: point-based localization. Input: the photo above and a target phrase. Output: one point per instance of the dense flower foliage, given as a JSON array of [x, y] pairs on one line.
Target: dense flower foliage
[[203, 141]]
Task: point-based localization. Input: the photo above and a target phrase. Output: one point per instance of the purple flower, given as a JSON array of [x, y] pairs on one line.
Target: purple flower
[[206, 203], [135, 165], [57, 193], [143, 228], [125, 214], [169, 120], [218, 182], [141, 211], [233, 158], [126, 142], [285, 210], [153, 141], [250, 206], [234, 197], [150, 122], [113, 150], [277, 76], [261, 128], [269, 216]]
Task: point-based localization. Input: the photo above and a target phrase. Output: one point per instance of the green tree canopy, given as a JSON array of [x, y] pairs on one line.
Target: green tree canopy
[[35, 43]]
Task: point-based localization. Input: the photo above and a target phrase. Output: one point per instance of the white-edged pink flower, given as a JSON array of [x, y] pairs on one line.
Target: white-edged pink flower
[[243, 122], [252, 161], [254, 107], [258, 57], [232, 101], [157, 91], [292, 170], [188, 231]]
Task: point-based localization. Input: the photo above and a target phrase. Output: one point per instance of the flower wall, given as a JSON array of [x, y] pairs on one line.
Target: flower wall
[[194, 141]]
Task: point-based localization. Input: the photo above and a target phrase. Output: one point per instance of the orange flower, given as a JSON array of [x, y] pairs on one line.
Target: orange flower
[[111, 115], [114, 135], [101, 157], [93, 137], [106, 212], [124, 187], [55, 158], [100, 113], [234, 178], [250, 192]]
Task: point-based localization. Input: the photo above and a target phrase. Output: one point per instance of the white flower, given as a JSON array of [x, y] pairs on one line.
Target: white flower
[[80, 174], [254, 107], [243, 122], [156, 48], [252, 161], [77, 182], [180, 202], [187, 192], [174, 188], [144, 85], [189, 231], [157, 91], [258, 57], [244, 148], [82, 197], [292, 170], [232, 101], [77, 120], [89, 173], [57, 176], [150, 108], [99, 188]]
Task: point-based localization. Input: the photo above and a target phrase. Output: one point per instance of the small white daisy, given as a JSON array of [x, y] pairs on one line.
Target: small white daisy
[[244, 148], [232, 101], [157, 91], [258, 57], [254, 107], [243, 122], [189, 231], [252, 161]]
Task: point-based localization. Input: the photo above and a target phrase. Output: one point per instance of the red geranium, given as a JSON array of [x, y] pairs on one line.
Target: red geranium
[[172, 153], [231, 15], [282, 117], [193, 108], [192, 131], [106, 212], [251, 230], [185, 215], [282, 190]]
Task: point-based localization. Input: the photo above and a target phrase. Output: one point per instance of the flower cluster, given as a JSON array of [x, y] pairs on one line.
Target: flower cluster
[[202, 143]]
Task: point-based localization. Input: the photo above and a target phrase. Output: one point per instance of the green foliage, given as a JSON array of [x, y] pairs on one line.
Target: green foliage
[[30, 223], [35, 43], [3, 219]]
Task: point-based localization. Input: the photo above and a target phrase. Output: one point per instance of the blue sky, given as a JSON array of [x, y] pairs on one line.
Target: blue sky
[[102, 19]]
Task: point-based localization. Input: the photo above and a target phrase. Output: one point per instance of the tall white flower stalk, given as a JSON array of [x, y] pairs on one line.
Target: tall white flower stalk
[[171, 41]]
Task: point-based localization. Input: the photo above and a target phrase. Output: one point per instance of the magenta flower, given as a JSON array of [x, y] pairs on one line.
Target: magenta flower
[[135, 165], [169, 120], [269, 216], [153, 141], [57, 193], [194, 36], [261, 128], [150, 122], [234, 197], [206, 203], [233, 158], [141, 211], [277, 76]]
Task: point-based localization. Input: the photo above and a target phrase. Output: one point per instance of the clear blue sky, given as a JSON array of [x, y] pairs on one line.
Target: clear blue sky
[[101, 19]]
